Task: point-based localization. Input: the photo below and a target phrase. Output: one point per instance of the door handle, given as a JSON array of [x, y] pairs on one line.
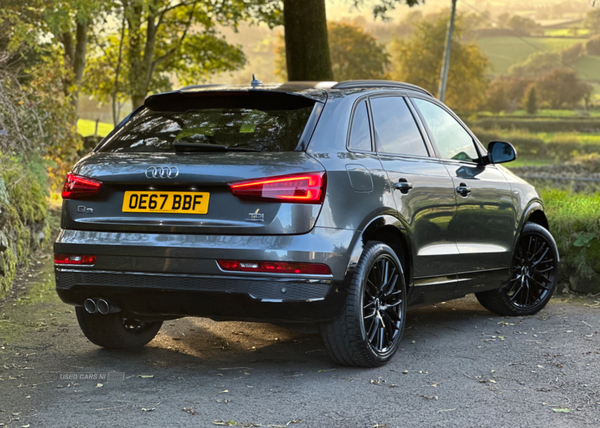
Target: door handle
[[403, 185], [463, 189]]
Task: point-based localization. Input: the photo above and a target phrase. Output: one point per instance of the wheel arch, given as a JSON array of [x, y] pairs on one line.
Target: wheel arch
[[534, 213], [392, 232]]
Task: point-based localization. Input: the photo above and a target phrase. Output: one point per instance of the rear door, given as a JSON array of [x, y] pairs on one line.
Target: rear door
[[424, 192], [485, 224], [221, 163]]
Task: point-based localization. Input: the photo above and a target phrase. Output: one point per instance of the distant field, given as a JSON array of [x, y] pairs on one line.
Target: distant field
[[506, 51], [87, 127], [544, 113], [566, 32]]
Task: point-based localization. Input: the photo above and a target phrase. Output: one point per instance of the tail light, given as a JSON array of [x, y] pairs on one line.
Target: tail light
[[296, 188], [74, 259], [77, 187], [274, 267]]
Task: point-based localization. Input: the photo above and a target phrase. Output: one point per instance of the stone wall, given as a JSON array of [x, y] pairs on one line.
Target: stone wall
[[23, 218]]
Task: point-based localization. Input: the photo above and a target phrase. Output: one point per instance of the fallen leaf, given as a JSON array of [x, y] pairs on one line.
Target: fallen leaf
[[99, 385], [561, 410], [190, 410], [146, 376], [148, 410]]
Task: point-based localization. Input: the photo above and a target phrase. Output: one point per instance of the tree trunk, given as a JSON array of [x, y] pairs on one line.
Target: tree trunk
[[306, 41], [78, 62]]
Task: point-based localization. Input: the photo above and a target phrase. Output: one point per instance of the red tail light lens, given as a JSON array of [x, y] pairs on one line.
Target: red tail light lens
[[275, 267], [74, 259], [77, 187], [297, 188]]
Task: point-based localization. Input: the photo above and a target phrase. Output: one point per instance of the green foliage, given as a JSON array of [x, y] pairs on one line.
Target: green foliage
[[573, 124], [23, 212], [562, 88], [575, 225], [418, 60]]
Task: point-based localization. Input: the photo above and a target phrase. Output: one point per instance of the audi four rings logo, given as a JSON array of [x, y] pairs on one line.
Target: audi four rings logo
[[162, 172]]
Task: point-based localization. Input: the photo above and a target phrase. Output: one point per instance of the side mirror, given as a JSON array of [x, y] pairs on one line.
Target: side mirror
[[501, 152]]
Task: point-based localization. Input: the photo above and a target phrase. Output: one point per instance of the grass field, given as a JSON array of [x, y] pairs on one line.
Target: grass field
[[506, 51], [544, 113], [87, 127]]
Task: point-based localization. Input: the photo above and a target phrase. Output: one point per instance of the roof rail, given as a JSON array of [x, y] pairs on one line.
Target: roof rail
[[199, 86], [349, 84]]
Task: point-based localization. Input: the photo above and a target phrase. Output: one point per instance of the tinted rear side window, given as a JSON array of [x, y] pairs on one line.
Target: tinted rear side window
[[395, 128], [252, 128], [360, 134]]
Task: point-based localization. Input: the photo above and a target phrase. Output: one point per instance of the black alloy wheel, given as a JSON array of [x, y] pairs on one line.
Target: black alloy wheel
[[368, 331], [533, 275], [382, 304]]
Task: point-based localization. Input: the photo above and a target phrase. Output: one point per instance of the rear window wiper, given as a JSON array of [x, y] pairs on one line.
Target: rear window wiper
[[207, 148]]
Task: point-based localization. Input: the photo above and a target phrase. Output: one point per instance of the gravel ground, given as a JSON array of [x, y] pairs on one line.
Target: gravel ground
[[459, 366]]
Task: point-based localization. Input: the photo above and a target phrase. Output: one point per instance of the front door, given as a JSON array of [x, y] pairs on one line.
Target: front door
[[485, 223]]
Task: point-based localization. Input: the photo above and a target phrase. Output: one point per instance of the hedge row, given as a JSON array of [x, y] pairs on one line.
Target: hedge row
[[540, 125], [536, 147]]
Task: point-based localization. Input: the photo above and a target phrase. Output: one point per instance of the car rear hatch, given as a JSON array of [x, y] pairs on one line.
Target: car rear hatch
[[218, 162]]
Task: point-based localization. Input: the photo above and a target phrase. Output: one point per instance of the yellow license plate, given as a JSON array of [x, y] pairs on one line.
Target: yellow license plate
[[166, 202]]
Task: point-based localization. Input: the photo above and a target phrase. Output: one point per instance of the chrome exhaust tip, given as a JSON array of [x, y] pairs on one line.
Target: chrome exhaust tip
[[105, 307], [90, 306]]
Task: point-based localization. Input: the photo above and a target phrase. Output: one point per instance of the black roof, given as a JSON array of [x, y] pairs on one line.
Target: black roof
[[314, 90]]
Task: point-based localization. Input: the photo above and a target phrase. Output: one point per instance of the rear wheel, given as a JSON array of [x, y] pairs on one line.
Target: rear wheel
[[115, 331], [534, 271], [368, 331]]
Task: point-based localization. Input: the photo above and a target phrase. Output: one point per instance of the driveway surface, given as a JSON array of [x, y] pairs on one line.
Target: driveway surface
[[459, 366]]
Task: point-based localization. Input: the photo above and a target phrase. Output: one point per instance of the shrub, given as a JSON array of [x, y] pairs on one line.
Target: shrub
[[572, 124], [593, 46], [574, 222], [562, 88]]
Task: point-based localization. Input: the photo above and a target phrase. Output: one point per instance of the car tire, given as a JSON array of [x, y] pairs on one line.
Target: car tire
[[368, 331], [114, 331], [533, 275]]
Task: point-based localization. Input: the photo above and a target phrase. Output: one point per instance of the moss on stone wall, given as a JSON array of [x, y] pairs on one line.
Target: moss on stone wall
[[23, 215]]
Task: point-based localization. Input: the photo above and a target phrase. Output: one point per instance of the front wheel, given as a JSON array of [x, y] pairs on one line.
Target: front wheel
[[368, 331], [533, 276], [115, 331]]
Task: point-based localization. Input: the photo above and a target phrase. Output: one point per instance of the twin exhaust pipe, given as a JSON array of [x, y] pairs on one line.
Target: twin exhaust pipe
[[100, 306]]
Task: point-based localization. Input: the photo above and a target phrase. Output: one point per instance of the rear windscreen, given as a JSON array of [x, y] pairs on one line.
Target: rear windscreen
[[236, 127]]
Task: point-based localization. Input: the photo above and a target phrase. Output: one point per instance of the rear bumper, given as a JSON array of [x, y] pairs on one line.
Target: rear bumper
[[167, 275]]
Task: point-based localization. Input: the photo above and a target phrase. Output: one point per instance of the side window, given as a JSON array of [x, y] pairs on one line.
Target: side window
[[360, 134], [451, 139], [396, 131]]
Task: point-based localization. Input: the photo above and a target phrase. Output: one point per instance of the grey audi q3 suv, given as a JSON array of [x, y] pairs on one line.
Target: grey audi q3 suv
[[337, 204]]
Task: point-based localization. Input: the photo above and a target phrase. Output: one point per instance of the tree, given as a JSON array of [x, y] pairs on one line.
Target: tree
[[536, 64], [355, 54], [306, 39], [67, 24], [160, 38], [592, 21], [418, 60], [505, 93], [592, 46], [522, 26], [562, 88], [530, 103]]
